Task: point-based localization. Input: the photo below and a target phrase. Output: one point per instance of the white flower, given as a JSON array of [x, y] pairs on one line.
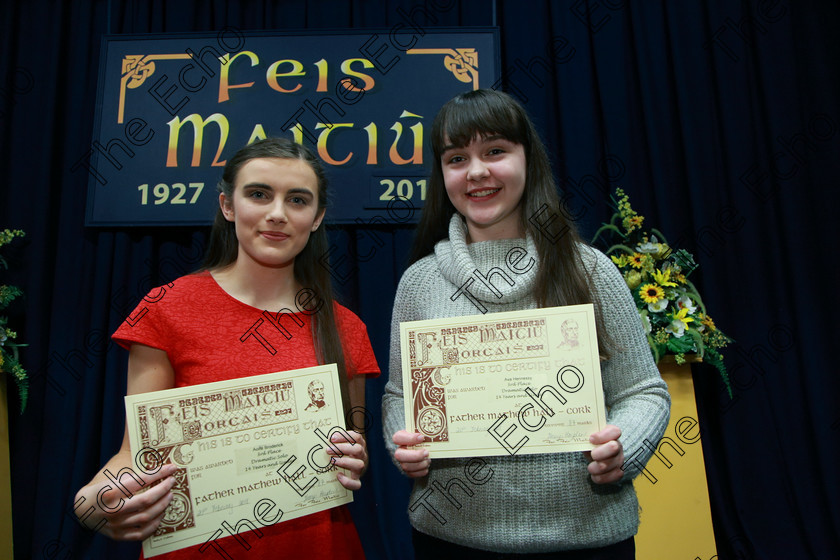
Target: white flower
[[651, 246], [685, 303], [659, 306], [676, 328], [646, 324]]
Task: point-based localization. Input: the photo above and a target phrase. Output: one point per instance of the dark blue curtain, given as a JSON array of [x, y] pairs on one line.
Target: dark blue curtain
[[720, 119]]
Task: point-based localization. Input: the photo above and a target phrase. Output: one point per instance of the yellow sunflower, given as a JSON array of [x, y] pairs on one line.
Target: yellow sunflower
[[651, 293], [633, 222], [637, 260]]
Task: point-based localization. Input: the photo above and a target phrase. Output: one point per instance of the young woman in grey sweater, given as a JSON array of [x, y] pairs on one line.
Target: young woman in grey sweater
[[492, 191]]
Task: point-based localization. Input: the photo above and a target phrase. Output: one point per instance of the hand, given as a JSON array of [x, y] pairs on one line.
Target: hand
[[127, 519], [351, 456], [414, 462], [607, 458]]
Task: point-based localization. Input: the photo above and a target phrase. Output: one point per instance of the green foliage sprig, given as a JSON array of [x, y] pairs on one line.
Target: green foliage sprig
[[672, 312], [9, 362]]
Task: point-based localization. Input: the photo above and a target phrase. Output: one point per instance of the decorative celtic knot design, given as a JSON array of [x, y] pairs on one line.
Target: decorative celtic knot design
[[463, 65], [136, 68]]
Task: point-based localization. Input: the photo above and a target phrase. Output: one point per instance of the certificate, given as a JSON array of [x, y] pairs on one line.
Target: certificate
[[509, 383], [250, 449]]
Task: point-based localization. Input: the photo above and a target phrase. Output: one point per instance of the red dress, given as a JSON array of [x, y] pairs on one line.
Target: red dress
[[210, 336]]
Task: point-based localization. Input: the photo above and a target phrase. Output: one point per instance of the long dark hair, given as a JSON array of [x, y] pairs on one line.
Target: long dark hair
[[223, 247], [561, 278]]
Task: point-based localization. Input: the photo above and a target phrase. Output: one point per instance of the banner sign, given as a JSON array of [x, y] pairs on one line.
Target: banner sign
[[172, 108]]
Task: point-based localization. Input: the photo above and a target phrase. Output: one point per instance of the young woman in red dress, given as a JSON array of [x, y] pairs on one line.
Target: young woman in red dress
[[222, 323]]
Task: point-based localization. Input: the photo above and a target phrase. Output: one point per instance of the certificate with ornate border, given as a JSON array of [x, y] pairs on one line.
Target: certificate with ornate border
[[517, 382], [251, 449]]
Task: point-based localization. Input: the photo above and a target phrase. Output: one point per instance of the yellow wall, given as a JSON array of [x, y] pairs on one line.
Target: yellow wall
[[676, 520], [5, 475]]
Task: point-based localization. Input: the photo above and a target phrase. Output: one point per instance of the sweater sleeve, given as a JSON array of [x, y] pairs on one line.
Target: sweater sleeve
[[393, 408], [635, 394]]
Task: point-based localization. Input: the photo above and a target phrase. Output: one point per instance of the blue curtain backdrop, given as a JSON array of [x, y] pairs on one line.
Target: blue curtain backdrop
[[720, 119]]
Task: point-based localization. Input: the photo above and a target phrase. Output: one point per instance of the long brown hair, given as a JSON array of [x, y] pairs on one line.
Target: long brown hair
[[223, 247], [561, 278]]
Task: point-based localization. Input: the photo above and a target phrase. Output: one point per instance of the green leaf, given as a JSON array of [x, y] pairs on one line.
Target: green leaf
[[680, 345], [698, 340], [624, 248], [654, 348], [692, 291], [659, 236], [715, 358], [607, 227]]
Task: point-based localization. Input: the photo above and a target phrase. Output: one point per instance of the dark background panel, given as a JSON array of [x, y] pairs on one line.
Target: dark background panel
[[720, 119]]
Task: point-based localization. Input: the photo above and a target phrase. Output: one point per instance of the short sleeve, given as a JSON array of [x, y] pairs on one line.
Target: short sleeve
[[146, 324], [358, 352]]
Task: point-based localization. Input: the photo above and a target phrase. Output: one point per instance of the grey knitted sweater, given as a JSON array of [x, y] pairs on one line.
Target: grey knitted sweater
[[528, 503]]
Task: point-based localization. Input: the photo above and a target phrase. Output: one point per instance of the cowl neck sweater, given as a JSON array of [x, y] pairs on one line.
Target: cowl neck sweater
[[460, 262]]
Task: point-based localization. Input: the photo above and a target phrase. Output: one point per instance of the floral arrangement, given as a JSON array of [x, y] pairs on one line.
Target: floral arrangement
[[8, 347], [671, 310]]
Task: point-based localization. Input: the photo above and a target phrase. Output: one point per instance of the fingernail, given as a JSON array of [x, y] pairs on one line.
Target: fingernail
[[419, 437]]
